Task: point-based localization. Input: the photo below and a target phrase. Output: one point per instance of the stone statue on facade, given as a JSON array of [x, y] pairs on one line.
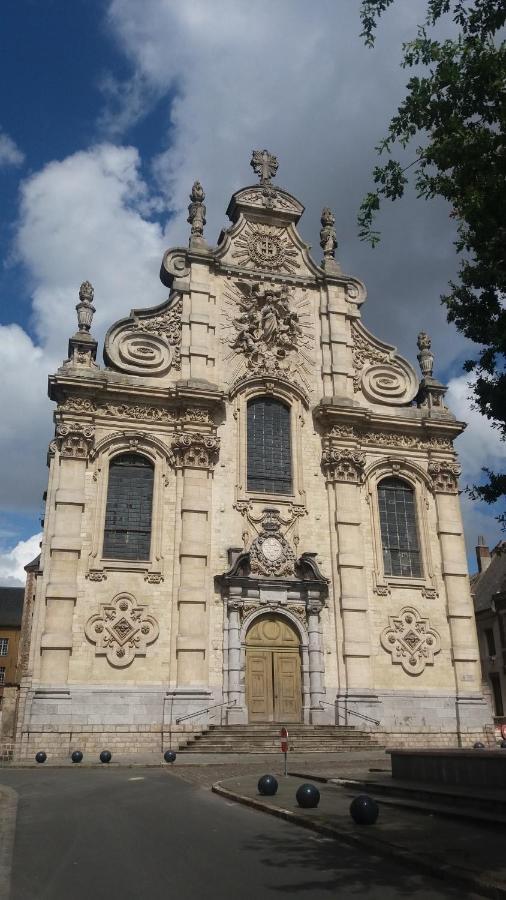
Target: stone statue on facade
[[197, 210], [425, 356], [267, 328]]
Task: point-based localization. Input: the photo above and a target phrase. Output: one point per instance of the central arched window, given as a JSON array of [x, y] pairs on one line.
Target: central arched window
[[269, 446], [399, 532], [127, 531]]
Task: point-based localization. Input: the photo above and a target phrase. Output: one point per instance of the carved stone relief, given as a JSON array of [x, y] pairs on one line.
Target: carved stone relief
[[269, 331], [270, 552], [121, 630], [381, 375], [410, 640], [267, 197], [147, 345], [266, 247], [444, 476], [389, 438]]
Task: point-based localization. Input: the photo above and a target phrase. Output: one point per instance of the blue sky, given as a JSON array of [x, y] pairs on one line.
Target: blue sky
[[110, 110]]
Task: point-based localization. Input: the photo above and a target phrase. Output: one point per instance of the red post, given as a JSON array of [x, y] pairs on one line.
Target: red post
[[284, 744]]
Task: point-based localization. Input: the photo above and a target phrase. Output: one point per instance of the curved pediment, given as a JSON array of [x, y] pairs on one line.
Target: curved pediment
[[379, 372], [148, 342]]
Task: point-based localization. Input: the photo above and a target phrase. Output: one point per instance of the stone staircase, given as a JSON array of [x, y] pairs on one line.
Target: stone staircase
[[265, 739]]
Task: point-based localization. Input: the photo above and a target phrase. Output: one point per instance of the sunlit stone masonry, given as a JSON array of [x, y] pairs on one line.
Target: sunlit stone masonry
[[252, 510]]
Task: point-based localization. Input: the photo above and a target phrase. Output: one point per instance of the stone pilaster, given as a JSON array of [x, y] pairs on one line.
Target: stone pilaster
[[454, 569], [314, 607], [343, 467], [71, 448], [195, 454]]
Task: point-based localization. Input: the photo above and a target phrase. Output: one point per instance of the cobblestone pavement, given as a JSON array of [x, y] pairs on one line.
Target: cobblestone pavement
[[329, 765]]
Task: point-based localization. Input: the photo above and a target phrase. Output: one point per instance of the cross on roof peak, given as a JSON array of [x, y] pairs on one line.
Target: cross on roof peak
[[265, 165]]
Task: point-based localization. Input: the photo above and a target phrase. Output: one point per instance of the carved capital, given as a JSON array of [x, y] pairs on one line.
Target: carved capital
[[74, 439], [343, 464], [314, 606], [198, 451], [444, 476]]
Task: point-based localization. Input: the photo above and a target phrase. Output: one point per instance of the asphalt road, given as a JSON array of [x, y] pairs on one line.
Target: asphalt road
[[147, 834]]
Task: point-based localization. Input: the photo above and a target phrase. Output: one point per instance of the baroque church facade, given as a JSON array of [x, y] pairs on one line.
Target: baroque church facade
[[252, 512]]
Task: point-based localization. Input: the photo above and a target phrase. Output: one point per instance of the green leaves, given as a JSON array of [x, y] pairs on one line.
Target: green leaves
[[457, 108]]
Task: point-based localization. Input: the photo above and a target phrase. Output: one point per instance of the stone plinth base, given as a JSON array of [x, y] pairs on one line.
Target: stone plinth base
[[466, 768]]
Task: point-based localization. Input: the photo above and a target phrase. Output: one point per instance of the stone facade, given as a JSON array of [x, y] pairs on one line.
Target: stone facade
[[122, 651]]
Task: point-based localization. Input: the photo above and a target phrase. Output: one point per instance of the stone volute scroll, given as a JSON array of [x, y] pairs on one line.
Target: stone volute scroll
[[148, 342], [380, 373]]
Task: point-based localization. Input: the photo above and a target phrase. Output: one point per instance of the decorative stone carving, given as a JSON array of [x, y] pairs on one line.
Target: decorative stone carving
[[410, 640], [147, 344], [343, 464], [264, 164], [175, 264], [382, 375], [342, 431], [267, 247], [195, 450], [196, 414], [139, 412], [96, 575], [444, 476], [269, 330], [270, 552], [425, 356], [121, 630], [74, 439], [328, 239], [78, 405], [197, 210], [153, 577], [269, 198]]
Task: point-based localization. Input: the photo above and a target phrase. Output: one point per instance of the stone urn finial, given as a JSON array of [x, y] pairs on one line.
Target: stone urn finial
[[328, 239], [426, 356], [197, 210], [85, 308]]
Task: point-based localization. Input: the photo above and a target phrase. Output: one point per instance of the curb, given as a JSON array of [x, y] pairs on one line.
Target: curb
[[8, 814], [443, 872]]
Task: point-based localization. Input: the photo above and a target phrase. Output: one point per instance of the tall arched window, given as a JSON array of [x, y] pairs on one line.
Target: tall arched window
[[269, 446], [399, 532], [127, 532]]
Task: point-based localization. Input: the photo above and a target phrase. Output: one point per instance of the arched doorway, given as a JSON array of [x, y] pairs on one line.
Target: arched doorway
[[273, 664]]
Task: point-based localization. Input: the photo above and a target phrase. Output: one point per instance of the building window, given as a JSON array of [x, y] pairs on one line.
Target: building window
[[2, 674], [490, 639], [4, 646], [127, 532], [399, 533], [497, 694], [269, 446]]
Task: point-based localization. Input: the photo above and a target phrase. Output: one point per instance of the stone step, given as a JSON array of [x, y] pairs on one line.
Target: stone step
[[197, 746]]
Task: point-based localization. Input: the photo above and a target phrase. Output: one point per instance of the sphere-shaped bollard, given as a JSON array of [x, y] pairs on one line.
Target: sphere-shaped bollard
[[503, 745], [169, 756], [105, 756], [364, 810], [77, 756], [40, 757], [267, 785], [308, 796], [478, 746]]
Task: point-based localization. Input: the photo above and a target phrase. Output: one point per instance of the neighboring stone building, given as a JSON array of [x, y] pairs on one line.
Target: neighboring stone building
[[488, 588], [11, 611], [252, 507]]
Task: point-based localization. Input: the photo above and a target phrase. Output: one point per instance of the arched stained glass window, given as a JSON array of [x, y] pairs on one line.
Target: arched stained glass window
[[399, 532], [269, 446], [127, 532]]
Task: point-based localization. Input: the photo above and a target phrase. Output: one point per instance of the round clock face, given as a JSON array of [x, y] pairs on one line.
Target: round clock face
[[272, 549]]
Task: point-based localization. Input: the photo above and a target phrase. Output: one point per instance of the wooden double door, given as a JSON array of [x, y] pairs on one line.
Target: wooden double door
[[273, 671]]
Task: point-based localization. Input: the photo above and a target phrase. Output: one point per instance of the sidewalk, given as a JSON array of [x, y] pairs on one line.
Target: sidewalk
[[461, 853]]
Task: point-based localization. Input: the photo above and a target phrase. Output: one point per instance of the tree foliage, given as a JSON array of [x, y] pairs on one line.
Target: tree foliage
[[454, 118]]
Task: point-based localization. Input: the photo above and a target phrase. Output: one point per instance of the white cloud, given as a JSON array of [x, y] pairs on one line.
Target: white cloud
[[10, 154], [12, 562], [480, 445]]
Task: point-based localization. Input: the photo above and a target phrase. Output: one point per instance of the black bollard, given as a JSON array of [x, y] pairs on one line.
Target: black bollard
[[40, 757], [267, 785], [308, 796], [169, 756], [105, 756], [364, 810], [77, 756], [478, 746]]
